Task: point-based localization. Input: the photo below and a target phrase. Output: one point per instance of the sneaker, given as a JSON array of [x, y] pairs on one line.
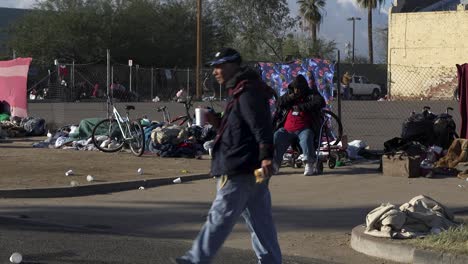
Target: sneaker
[[309, 169]]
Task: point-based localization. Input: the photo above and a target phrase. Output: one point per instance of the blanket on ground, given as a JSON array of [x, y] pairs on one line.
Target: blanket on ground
[[420, 216]]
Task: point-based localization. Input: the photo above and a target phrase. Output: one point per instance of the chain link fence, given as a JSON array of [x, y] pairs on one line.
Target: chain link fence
[[403, 90], [70, 82], [374, 119]]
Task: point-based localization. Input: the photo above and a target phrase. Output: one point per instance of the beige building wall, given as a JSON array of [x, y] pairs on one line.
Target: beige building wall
[[423, 50]]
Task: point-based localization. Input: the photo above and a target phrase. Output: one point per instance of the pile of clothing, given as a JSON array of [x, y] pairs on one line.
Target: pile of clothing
[[177, 141], [77, 137], [22, 127], [420, 216]]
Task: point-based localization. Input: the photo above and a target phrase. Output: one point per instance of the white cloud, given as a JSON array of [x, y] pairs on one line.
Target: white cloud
[[24, 4], [346, 3]]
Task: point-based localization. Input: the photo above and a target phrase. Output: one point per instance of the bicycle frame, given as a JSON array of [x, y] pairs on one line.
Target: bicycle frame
[[121, 120]]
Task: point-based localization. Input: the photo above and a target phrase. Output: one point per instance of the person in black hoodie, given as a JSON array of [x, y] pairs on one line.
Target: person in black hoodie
[[298, 116], [244, 143]]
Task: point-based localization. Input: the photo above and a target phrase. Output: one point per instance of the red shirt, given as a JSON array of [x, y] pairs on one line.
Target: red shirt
[[297, 122]]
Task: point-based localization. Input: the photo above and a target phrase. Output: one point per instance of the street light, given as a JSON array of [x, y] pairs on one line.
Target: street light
[[354, 30]]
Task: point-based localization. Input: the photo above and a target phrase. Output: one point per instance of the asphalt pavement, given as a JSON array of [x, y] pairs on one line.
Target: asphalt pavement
[[41, 243]]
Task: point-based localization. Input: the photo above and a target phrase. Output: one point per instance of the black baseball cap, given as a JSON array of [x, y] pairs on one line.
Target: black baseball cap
[[225, 55]]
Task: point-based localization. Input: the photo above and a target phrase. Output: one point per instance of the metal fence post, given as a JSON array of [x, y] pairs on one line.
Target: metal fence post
[[109, 98], [72, 79], [152, 81], [188, 81], [130, 79], [137, 67], [338, 83]]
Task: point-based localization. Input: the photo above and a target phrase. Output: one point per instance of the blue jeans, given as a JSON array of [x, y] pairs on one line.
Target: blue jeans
[[238, 195], [282, 140]]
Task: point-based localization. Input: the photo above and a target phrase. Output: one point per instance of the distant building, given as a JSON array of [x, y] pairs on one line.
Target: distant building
[[426, 40], [7, 17]]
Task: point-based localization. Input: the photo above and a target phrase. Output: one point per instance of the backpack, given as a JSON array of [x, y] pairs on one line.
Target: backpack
[[34, 126], [419, 127], [444, 130]]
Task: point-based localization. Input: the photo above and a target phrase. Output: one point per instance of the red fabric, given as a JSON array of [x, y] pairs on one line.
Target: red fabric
[[63, 71], [95, 89], [296, 122], [463, 90]]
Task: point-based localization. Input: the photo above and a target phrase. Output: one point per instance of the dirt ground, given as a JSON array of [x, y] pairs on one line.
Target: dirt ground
[[22, 166]]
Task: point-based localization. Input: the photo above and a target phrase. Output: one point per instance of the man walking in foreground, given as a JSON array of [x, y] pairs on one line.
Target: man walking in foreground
[[243, 144]]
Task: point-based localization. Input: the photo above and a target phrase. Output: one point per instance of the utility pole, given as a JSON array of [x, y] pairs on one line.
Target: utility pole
[[354, 30], [199, 49]]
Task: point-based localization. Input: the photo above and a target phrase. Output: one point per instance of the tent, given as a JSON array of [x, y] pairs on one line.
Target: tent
[[13, 82]]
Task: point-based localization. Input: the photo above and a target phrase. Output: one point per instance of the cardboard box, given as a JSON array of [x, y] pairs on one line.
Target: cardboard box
[[401, 165]]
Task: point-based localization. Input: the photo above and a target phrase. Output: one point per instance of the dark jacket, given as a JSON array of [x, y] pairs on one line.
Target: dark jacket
[[245, 136], [312, 103]]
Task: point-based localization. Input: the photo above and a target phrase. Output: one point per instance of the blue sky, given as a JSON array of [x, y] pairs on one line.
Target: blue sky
[[334, 27]]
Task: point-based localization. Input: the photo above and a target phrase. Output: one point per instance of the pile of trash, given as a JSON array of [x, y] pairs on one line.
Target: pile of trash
[[176, 141], [164, 140], [22, 127]]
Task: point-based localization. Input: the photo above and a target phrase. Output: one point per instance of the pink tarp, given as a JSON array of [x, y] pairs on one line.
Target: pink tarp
[[13, 81]]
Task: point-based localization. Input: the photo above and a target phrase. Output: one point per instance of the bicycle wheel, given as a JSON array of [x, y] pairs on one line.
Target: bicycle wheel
[[137, 139], [333, 129], [107, 136]]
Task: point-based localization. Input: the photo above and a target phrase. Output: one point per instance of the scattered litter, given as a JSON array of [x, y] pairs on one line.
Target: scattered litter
[[184, 171], [69, 173], [141, 188], [16, 258], [466, 179], [74, 183], [178, 180], [89, 178], [461, 186], [140, 171]]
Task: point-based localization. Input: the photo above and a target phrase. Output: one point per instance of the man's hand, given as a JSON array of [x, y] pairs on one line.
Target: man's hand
[[267, 166]]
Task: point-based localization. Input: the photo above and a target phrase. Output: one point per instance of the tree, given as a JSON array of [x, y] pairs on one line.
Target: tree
[[312, 12], [370, 4], [257, 28], [151, 32], [300, 47]]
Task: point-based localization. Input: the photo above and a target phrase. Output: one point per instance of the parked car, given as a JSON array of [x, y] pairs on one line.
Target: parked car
[[360, 86]]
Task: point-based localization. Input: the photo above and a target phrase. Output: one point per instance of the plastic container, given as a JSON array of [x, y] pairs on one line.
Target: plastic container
[[200, 116]]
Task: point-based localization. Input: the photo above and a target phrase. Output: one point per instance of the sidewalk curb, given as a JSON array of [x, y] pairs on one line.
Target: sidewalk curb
[[387, 249], [380, 247], [100, 188]]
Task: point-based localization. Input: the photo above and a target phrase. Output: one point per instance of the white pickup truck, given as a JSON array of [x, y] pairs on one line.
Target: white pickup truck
[[360, 86]]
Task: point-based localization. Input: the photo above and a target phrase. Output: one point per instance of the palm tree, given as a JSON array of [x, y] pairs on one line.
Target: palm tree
[[370, 4], [312, 12]]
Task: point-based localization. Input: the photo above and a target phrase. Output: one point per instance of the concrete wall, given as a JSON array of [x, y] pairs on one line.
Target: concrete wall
[[423, 51]]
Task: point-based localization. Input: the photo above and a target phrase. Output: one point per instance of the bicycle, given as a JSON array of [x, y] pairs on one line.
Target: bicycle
[[180, 120], [111, 134]]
